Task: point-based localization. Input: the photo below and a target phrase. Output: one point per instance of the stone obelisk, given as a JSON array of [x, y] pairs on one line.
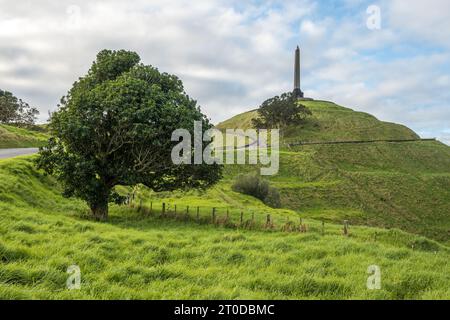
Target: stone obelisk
[[297, 91]]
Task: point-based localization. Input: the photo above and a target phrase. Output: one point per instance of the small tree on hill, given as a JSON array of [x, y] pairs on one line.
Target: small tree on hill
[[280, 111], [114, 127]]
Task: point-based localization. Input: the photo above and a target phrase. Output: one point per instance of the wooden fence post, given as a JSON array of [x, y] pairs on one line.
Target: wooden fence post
[[151, 207], [164, 208], [175, 209], [242, 217], [345, 227], [187, 213], [198, 214], [323, 227], [214, 215]]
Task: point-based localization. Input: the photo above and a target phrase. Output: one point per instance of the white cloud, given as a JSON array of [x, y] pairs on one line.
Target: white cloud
[[312, 29], [215, 48], [427, 21], [233, 55]]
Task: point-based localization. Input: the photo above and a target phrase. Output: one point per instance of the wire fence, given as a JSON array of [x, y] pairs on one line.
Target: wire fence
[[306, 143], [225, 217], [228, 217]]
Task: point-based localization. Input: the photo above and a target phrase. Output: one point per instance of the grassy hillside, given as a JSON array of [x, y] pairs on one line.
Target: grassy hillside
[[13, 137], [402, 185], [330, 122], [137, 256]]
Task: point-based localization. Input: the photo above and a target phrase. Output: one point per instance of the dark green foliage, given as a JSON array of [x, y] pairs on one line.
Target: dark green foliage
[[16, 111], [280, 111], [273, 198], [253, 185], [114, 127], [117, 198]]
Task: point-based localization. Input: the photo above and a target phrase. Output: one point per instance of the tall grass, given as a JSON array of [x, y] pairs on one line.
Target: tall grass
[[140, 256]]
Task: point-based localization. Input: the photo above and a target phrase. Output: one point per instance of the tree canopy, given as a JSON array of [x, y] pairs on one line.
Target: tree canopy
[[280, 111], [16, 111], [114, 127]]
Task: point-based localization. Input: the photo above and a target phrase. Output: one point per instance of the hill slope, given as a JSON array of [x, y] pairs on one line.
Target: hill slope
[[134, 256], [330, 122], [14, 137], [404, 185]]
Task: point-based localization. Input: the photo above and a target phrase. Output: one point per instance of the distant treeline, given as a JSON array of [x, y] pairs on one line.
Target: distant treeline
[[15, 111]]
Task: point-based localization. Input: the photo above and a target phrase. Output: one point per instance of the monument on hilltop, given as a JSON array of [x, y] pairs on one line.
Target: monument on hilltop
[[298, 93]]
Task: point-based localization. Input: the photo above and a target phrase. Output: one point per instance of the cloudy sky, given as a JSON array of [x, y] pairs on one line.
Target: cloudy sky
[[232, 55]]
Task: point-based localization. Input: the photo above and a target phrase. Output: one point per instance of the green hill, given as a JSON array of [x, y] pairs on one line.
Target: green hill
[[330, 122], [404, 185], [14, 137], [141, 256]]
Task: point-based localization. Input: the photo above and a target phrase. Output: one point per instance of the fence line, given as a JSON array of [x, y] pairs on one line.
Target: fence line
[[305, 143], [227, 219], [211, 215]]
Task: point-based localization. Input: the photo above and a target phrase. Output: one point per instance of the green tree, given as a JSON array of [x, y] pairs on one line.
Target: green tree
[[114, 128], [16, 111], [280, 111]]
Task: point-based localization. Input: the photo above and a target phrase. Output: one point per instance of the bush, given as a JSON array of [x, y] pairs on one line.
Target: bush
[[253, 185], [273, 198]]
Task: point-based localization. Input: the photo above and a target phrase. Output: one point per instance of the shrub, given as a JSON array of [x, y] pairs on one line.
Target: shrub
[[253, 185], [273, 198]]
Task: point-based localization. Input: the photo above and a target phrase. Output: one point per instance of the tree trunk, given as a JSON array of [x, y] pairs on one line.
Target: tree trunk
[[100, 210]]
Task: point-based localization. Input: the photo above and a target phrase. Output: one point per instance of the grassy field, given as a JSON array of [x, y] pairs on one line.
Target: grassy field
[[396, 197], [14, 137], [146, 257]]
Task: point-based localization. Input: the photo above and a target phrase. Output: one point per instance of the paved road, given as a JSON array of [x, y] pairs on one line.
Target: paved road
[[11, 153]]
